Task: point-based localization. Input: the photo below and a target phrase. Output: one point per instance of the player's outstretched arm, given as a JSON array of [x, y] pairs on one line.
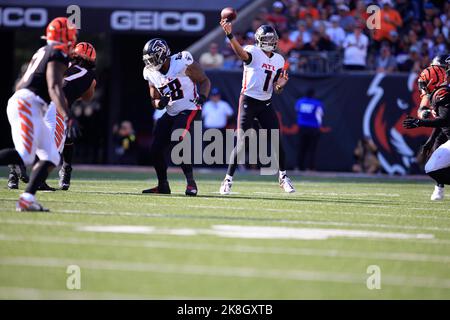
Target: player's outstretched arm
[[198, 76], [237, 48], [55, 78]]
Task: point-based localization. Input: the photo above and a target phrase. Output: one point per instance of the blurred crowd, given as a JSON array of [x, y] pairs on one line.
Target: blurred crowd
[[331, 35]]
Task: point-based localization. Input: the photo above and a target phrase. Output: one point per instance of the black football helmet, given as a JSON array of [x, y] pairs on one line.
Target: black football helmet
[[155, 53], [266, 38]]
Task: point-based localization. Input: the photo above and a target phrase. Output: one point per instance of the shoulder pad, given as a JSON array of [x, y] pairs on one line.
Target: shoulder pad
[[184, 57], [441, 96]]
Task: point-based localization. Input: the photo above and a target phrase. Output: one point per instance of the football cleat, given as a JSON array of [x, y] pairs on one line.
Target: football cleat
[[45, 187], [286, 184], [162, 188], [24, 205], [65, 174], [191, 189], [13, 180], [225, 187], [438, 194]]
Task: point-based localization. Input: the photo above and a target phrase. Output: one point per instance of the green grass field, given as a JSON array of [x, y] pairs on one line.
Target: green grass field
[[258, 243]]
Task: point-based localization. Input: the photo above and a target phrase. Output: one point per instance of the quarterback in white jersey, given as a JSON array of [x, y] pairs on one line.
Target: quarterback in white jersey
[[178, 84], [264, 73], [260, 72]]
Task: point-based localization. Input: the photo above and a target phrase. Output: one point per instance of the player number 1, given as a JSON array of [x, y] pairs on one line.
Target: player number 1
[[268, 77]]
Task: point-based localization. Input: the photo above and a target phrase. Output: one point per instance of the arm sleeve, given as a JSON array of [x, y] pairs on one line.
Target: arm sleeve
[[146, 77], [249, 50]]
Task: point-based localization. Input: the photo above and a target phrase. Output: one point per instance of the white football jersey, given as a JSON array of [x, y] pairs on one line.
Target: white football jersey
[[175, 84], [259, 74]]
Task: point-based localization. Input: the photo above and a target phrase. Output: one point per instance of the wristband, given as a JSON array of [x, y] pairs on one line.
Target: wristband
[[230, 36]]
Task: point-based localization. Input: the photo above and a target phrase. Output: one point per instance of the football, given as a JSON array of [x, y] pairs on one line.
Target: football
[[228, 13]]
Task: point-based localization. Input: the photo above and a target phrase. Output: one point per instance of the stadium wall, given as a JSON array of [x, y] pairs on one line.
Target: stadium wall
[[356, 106]]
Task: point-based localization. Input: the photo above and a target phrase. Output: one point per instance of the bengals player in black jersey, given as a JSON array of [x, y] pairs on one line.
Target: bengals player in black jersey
[[438, 165], [79, 84], [429, 80], [41, 83]]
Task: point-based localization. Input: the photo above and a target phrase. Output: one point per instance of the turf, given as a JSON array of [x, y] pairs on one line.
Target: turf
[[182, 258]]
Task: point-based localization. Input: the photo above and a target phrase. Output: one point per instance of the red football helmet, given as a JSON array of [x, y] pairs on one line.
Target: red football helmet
[[85, 51], [63, 33], [431, 78]]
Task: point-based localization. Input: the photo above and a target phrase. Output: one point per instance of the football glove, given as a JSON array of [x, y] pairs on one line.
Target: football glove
[[200, 100], [411, 123], [73, 131], [163, 102]]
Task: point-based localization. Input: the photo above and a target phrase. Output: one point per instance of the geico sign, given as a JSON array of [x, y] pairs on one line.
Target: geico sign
[[152, 20], [18, 17]]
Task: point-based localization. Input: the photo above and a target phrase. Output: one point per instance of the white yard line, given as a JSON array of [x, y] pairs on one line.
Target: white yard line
[[330, 253], [238, 218], [318, 193], [218, 217], [38, 294], [227, 271]]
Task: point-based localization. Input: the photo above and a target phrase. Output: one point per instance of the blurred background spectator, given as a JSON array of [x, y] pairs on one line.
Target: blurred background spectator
[[309, 120], [213, 58], [366, 157], [216, 112], [124, 143], [355, 49], [385, 61]]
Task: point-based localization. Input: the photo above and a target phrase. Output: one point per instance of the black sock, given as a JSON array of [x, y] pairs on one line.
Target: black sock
[[12, 168], [188, 173], [10, 156], [39, 175], [67, 154]]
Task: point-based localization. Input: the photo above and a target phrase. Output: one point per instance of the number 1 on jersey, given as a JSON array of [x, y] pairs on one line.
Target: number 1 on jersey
[[268, 78]]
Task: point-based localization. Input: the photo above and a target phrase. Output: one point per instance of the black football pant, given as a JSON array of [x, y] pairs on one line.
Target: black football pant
[[308, 139], [162, 141], [264, 113], [441, 176]]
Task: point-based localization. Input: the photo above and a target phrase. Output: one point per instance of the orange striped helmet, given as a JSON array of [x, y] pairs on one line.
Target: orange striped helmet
[[62, 32], [431, 78], [85, 51]]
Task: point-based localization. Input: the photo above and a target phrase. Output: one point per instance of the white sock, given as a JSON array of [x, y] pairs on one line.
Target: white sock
[[228, 177], [282, 174], [27, 197]]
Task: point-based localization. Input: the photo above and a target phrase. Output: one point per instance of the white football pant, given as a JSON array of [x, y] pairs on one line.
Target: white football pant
[[31, 135], [57, 126], [440, 158]]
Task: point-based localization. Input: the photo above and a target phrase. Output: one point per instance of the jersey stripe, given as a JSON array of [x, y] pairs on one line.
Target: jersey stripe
[[188, 122]]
